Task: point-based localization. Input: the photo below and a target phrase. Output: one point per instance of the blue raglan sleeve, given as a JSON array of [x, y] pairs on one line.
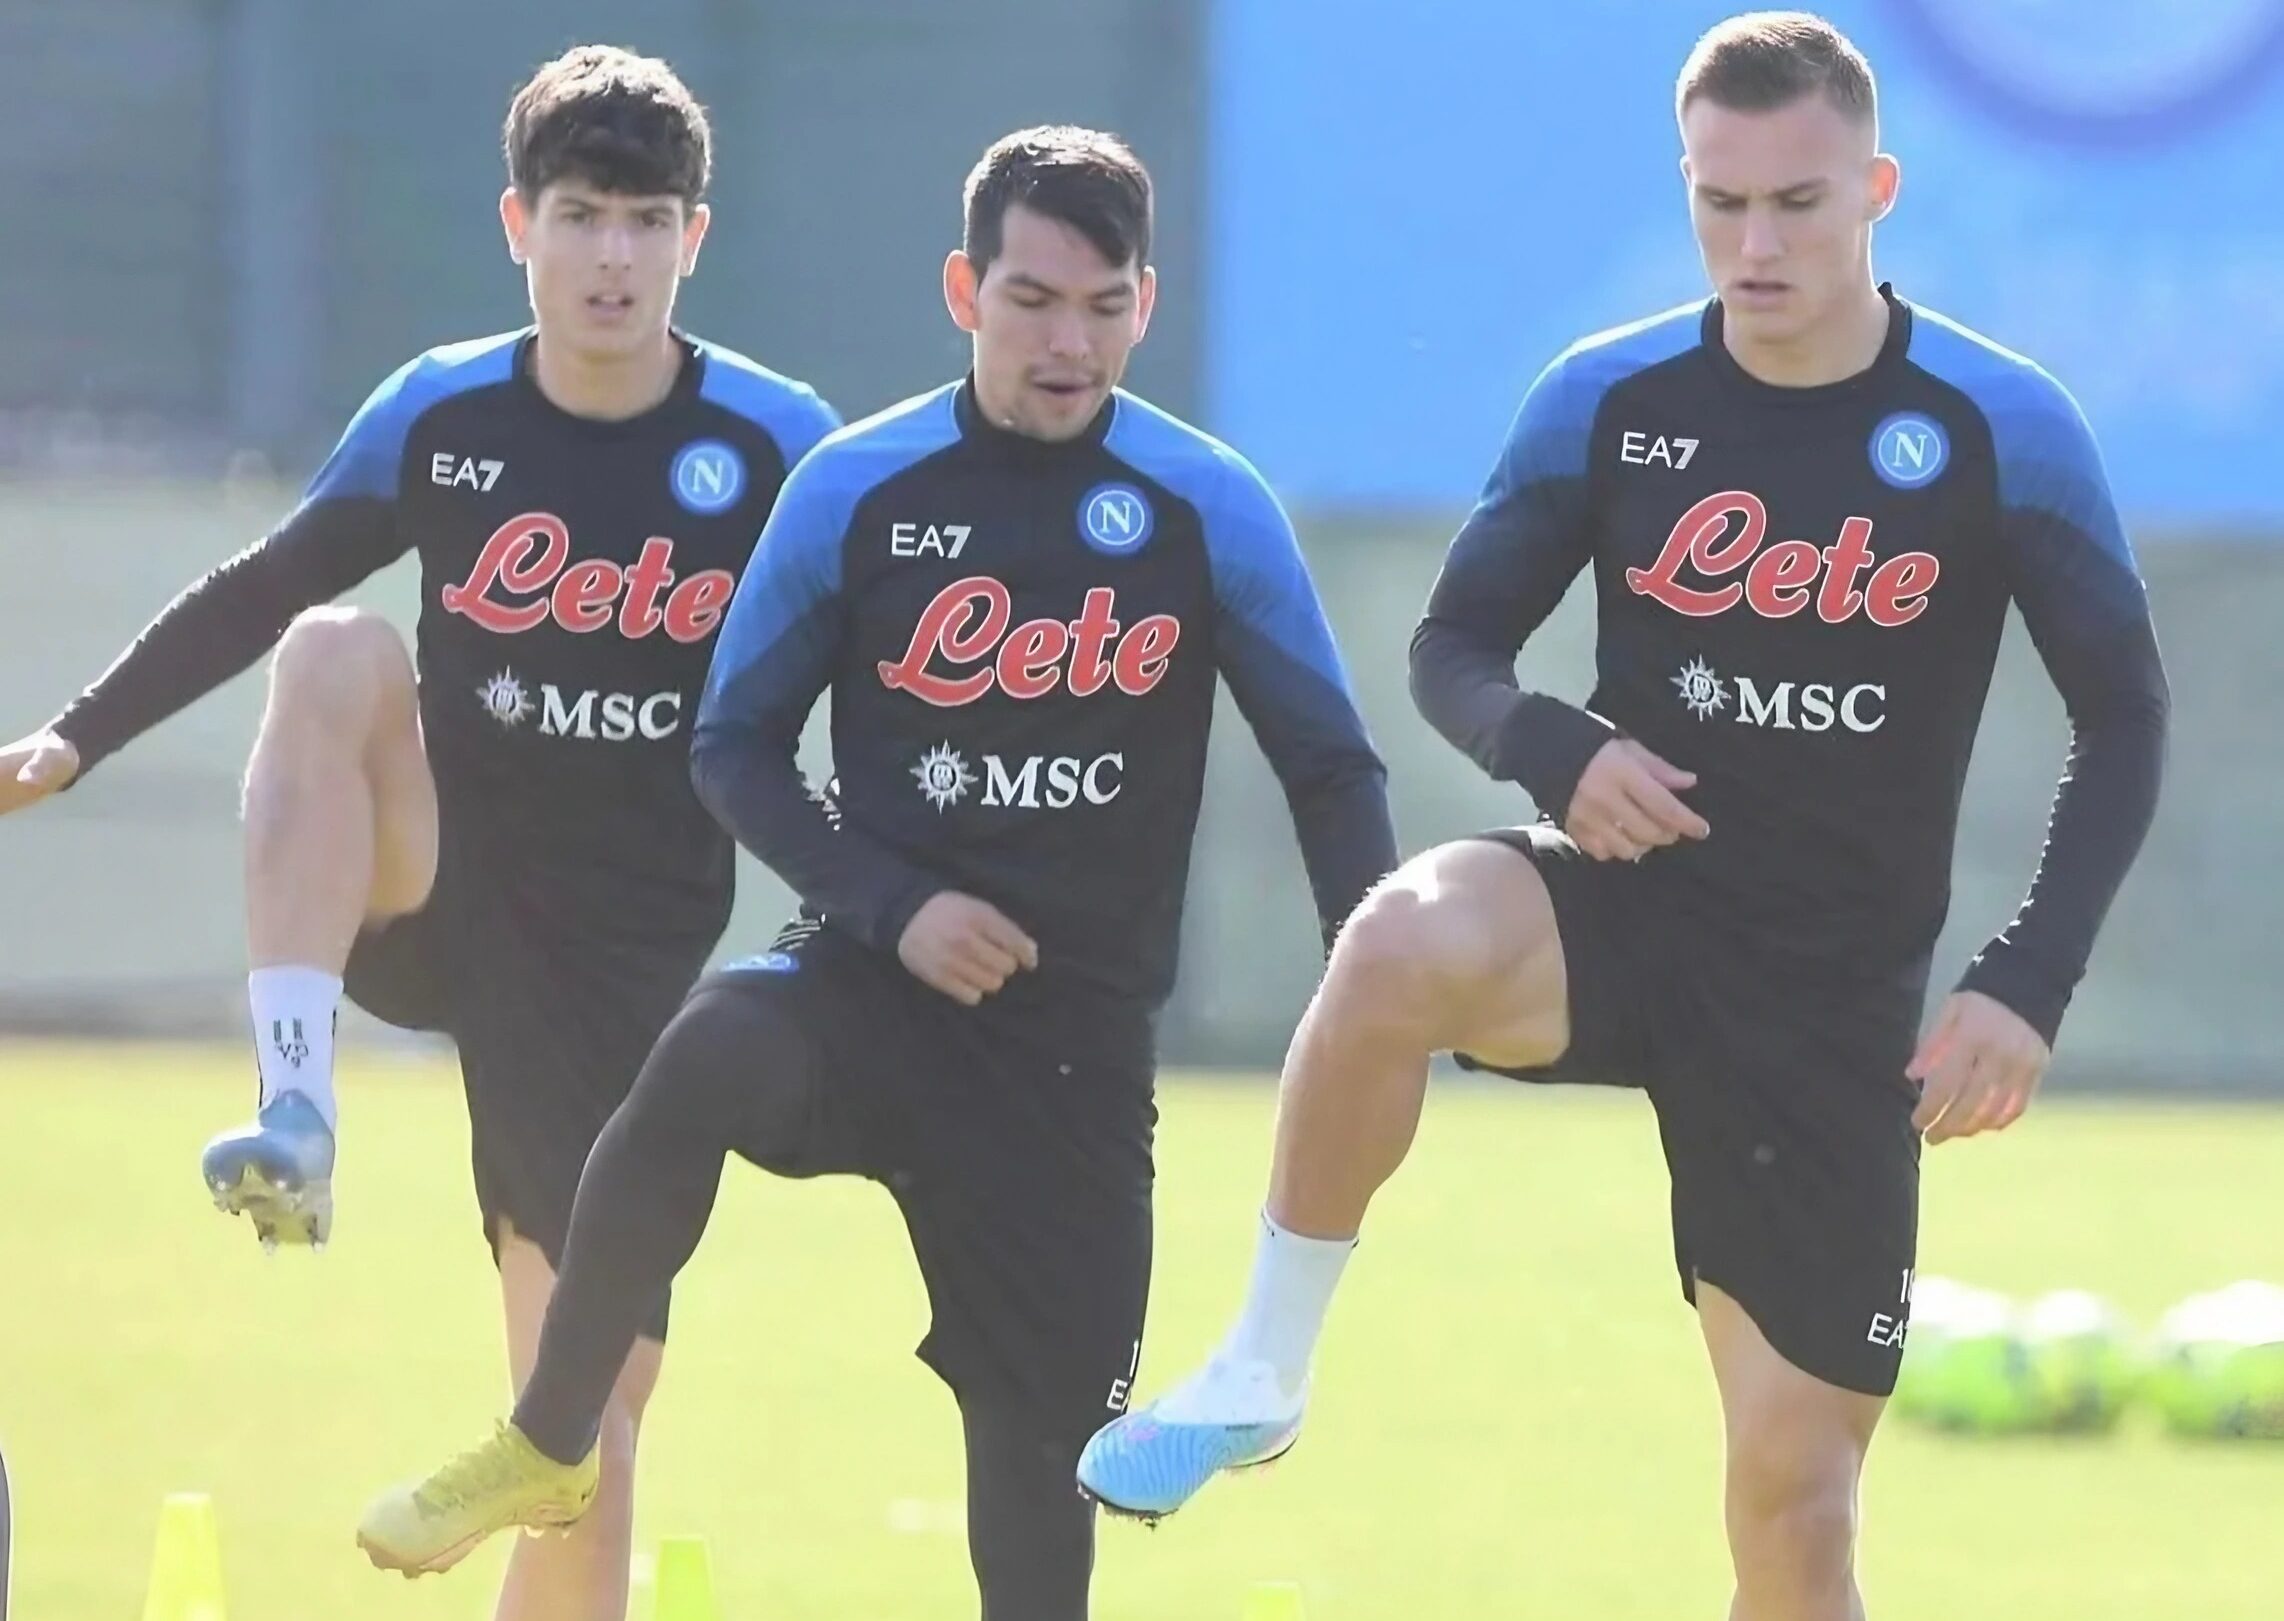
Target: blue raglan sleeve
[[807, 419], [343, 529], [774, 658], [2082, 599], [1277, 653], [1526, 540]]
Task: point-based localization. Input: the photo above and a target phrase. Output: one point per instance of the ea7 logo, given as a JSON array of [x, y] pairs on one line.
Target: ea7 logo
[[927, 540], [1647, 450], [1888, 1328], [453, 472]]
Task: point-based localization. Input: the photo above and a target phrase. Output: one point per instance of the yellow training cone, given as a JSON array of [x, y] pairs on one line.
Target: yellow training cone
[[684, 1584], [186, 1567]]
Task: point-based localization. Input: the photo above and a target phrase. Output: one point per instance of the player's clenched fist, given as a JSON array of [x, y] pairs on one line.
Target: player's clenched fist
[[1625, 804], [34, 767], [964, 947]]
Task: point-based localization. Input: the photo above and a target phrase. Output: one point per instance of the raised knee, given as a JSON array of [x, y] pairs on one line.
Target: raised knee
[[1390, 950], [1410, 960], [342, 663], [731, 1070]]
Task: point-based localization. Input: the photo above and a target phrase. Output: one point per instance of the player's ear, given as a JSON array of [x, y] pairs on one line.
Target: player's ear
[[694, 235], [1887, 180], [961, 289], [515, 220], [1145, 301]]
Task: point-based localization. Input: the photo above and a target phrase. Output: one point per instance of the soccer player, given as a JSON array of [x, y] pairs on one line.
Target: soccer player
[[1806, 504], [1019, 590], [508, 847]]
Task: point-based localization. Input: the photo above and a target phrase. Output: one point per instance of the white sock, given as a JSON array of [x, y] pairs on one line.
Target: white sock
[[293, 1032], [1293, 1282]]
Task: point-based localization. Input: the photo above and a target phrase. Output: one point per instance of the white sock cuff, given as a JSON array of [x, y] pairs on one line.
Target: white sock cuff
[[1301, 1244], [291, 982]]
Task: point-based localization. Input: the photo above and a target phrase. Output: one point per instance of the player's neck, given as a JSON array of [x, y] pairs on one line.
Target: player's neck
[[609, 390], [1832, 351]]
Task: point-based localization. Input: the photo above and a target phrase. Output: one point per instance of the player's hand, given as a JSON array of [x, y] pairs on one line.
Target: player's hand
[[1625, 805], [31, 768], [1977, 1069], [964, 947]]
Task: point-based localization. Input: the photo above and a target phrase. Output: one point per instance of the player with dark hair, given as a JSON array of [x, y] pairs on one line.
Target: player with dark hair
[[1019, 590], [504, 846], [1807, 505]]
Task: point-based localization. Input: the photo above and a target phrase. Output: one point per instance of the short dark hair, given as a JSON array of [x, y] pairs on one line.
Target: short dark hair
[[611, 119], [1089, 180], [1769, 59]]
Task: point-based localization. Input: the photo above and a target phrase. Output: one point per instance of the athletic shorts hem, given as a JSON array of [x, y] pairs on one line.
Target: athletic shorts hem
[[1869, 1373]]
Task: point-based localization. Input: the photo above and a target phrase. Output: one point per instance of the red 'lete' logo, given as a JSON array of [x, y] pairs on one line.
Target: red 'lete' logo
[[1780, 579], [967, 625], [525, 560]]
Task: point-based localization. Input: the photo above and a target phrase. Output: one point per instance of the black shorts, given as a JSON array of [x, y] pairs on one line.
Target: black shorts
[[552, 1024], [1781, 1101], [1015, 1138]]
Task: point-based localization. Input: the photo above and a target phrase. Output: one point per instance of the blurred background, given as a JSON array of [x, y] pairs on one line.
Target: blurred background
[[234, 217], [226, 220], [231, 218]]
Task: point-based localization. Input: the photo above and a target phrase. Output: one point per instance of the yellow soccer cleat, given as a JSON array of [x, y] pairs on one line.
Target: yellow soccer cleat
[[505, 1482]]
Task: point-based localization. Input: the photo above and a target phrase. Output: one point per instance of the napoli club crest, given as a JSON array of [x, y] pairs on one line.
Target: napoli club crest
[[1116, 519], [708, 477]]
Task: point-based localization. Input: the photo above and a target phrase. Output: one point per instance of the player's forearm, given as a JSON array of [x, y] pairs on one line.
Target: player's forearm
[[1464, 686], [213, 631], [748, 780], [1347, 837], [2102, 812]]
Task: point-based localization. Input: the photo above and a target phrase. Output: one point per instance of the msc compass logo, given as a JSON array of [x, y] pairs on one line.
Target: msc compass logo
[[612, 717], [943, 776], [1116, 519], [1701, 689], [505, 700], [708, 477], [1910, 450]]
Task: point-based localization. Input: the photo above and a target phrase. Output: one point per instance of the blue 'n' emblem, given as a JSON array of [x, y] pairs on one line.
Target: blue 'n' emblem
[[708, 477], [1910, 450], [1116, 518]]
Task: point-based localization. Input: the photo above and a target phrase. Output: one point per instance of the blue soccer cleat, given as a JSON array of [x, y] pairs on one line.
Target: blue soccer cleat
[[1228, 1417], [277, 1171]]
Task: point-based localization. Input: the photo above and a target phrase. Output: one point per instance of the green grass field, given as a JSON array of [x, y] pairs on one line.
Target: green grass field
[[1514, 1417]]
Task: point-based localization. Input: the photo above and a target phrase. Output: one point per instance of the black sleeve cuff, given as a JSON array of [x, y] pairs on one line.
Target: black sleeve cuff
[[890, 921], [1545, 745], [2021, 988]]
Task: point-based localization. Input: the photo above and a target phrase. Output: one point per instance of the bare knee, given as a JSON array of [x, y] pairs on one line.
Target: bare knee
[[343, 669], [1396, 963], [1452, 950], [1792, 1500]]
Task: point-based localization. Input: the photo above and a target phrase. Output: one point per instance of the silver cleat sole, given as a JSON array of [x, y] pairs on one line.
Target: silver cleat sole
[[297, 1213]]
